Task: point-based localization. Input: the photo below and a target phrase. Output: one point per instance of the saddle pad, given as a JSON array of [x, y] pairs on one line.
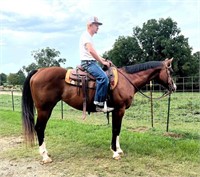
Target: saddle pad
[[67, 79], [113, 78]]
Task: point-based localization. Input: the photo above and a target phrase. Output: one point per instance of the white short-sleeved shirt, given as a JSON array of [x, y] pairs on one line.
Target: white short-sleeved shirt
[[84, 54]]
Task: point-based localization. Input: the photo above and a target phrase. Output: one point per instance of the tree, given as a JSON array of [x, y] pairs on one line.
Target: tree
[[156, 40], [45, 58], [3, 78], [126, 51], [16, 78], [162, 39], [196, 64], [30, 67]]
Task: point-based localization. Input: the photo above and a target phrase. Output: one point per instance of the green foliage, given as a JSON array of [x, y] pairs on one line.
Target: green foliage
[[45, 58], [156, 40], [30, 67], [16, 78], [194, 64], [162, 39], [3, 78], [126, 51]]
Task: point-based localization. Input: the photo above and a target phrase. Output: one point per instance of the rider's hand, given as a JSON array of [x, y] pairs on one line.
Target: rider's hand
[[110, 62], [106, 63]]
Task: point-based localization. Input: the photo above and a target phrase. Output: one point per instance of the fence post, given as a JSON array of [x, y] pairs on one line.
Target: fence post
[[169, 99], [13, 105], [151, 104], [61, 109]]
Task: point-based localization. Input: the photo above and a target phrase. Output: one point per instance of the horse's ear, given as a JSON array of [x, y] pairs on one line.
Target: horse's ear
[[171, 60]]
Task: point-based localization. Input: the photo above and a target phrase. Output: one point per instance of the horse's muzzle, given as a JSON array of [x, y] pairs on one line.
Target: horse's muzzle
[[172, 87]]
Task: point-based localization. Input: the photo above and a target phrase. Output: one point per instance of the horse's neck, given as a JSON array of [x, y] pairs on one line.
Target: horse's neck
[[142, 78]]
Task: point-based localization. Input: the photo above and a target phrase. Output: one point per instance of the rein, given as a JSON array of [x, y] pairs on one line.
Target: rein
[[139, 90]]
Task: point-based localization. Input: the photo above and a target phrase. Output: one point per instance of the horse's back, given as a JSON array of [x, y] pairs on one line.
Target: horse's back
[[47, 74], [47, 84]]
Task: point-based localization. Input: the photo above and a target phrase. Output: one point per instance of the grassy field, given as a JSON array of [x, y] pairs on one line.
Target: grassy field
[[81, 148], [184, 112]]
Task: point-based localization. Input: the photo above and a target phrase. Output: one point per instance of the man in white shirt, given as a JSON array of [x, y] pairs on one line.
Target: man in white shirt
[[89, 58]]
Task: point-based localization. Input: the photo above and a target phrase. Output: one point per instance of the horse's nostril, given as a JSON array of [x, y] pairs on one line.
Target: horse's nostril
[[175, 87]]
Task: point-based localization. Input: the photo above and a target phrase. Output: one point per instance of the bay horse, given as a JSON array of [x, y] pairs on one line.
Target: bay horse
[[43, 88]]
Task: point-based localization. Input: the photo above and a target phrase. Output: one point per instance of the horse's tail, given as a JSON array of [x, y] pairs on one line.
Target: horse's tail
[[28, 111]]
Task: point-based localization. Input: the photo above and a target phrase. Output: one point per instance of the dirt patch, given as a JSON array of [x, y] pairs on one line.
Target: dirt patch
[[16, 166], [139, 129], [10, 93], [10, 142], [23, 167], [174, 135]]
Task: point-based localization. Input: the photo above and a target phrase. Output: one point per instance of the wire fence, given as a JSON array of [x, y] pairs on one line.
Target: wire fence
[[184, 110], [184, 84]]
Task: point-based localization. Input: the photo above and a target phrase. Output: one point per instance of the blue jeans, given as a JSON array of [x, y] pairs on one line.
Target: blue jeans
[[102, 80]]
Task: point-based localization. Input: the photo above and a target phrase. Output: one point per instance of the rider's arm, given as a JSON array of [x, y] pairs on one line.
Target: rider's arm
[[95, 55]]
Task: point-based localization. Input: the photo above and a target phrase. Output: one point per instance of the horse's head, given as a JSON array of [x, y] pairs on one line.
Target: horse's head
[[164, 77]]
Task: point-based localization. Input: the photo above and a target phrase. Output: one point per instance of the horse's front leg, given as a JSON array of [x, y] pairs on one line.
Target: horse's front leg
[[119, 150], [117, 116]]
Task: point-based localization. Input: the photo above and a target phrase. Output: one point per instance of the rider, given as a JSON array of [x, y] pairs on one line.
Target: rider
[[89, 58]]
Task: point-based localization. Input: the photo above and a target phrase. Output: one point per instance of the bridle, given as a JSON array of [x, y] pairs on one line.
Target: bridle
[[139, 90], [168, 70]]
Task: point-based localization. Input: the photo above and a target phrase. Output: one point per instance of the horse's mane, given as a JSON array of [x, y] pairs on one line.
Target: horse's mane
[[143, 66]]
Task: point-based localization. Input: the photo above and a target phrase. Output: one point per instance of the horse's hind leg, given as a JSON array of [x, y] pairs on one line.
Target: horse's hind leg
[[42, 118]]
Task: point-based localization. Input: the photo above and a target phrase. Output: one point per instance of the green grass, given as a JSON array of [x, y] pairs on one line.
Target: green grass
[[83, 146], [10, 123]]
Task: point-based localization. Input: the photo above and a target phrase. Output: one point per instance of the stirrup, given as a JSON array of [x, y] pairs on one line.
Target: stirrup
[[104, 110]]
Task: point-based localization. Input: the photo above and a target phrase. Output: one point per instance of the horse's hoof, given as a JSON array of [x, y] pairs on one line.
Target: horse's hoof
[[117, 157], [48, 160], [120, 152]]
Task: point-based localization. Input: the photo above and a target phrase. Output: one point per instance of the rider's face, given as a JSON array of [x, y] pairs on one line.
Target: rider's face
[[95, 27]]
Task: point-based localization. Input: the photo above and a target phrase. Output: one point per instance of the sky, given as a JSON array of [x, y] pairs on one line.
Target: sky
[[27, 25]]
